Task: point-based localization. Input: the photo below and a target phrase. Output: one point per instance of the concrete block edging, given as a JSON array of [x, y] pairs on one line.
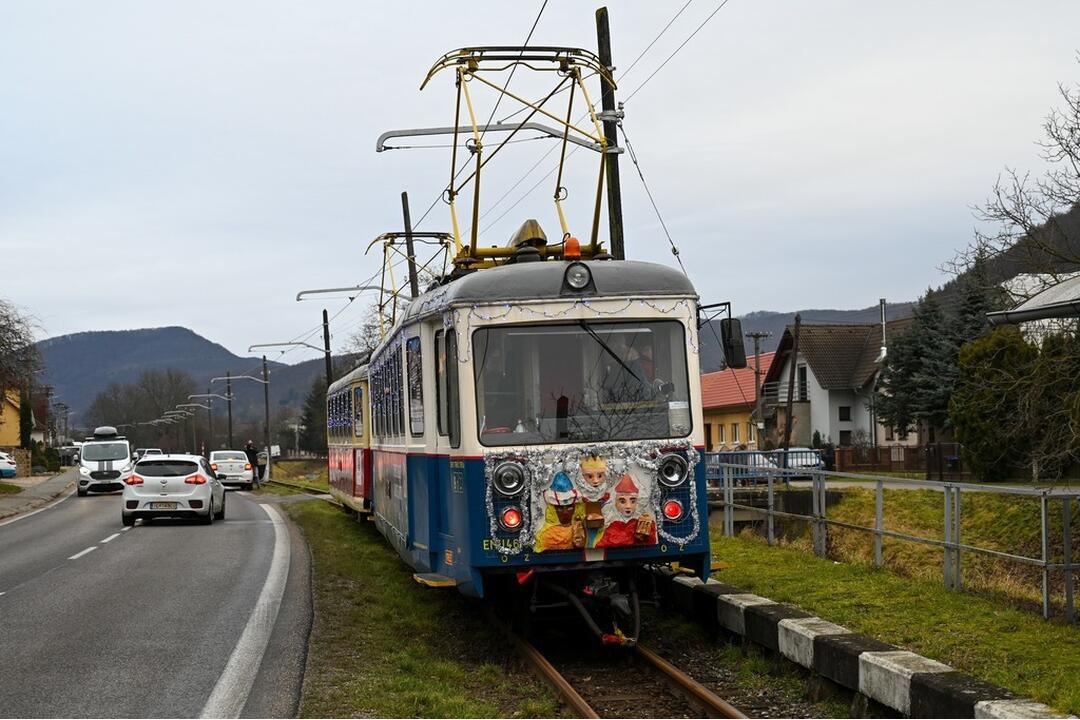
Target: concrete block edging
[[902, 680]]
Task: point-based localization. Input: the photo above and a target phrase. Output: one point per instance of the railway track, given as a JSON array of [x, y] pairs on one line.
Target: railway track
[[635, 683]]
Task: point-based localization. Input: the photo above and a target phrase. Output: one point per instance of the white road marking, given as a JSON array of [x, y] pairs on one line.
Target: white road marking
[[126, 529], [231, 692], [111, 537], [3, 593], [78, 555], [50, 506]]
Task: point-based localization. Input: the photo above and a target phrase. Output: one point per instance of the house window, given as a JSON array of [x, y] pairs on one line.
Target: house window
[[801, 387], [889, 434], [749, 432], [708, 436], [720, 433], [845, 438], [734, 433], [845, 413]]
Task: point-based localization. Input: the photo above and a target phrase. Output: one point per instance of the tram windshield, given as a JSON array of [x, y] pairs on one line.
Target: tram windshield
[[581, 382]]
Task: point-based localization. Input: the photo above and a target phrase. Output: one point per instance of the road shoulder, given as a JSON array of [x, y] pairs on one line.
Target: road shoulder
[[37, 496]]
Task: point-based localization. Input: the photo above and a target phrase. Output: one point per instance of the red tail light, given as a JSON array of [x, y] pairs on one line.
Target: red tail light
[[134, 480], [195, 480], [673, 509], [510, 518], [213, 466], [247, 466]]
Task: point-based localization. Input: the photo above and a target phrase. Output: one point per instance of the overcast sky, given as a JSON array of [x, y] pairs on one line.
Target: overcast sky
[[198, 163]]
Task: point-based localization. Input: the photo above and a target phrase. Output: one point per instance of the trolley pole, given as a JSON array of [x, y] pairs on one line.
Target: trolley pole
[[228, 394], [414, 285], [611, 156], [209, 422], [326, 347], [266, 399]]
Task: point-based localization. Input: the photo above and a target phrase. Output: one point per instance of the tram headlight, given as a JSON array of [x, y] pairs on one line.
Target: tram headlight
[[578, 276], [672, 470], [508, 478], [510, 519]]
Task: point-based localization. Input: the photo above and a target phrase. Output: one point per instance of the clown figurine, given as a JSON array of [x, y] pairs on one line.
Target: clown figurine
[[627, 525], [562, 529], [594, 476]]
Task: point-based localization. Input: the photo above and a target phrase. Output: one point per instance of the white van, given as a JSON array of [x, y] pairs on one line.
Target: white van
[[105, 462]]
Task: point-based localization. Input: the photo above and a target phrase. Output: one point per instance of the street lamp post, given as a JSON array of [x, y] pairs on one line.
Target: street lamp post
[[265, 380], [194, 443], [209, 414], [325, 350]]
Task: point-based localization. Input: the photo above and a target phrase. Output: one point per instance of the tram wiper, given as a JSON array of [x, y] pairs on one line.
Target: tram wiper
[[607, 348]]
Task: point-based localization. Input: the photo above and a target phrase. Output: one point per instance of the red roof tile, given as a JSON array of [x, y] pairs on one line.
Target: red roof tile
[[728, 388]]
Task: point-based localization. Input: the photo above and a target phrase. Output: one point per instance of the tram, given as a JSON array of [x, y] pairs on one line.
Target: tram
[[349, 456], [529, 429]]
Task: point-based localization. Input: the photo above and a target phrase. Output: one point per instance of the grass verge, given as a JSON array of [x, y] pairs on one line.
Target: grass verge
[[384, 646], [1002, 645], [311, 474], [9, 489]]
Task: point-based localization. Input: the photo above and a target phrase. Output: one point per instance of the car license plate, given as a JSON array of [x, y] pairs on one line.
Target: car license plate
[[162, 506]]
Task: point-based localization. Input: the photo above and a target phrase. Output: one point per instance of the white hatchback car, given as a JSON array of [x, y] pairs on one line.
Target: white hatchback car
[[173, 486], [234, 465]]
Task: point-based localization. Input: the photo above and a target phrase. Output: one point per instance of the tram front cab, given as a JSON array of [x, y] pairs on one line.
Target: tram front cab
[[348, 441]]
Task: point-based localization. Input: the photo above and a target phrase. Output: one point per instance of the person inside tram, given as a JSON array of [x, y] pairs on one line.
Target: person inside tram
[[625, 378]]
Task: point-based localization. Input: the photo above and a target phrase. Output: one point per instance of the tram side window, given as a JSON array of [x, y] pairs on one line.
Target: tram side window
[[414, 375], [446, 386]]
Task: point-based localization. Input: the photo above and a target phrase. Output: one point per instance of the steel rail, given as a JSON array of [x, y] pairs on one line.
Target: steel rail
[[554, 678], [695, 692]]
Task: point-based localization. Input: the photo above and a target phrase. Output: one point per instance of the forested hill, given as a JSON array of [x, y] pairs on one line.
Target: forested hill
[[81, 365]]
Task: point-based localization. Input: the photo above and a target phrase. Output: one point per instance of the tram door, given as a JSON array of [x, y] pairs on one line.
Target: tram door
[[420, 463], [450, 473]]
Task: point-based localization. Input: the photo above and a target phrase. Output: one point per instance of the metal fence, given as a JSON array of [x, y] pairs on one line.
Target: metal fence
[[728, 473]]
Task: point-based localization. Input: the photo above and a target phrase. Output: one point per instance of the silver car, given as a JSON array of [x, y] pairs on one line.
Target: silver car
[[173, 486]]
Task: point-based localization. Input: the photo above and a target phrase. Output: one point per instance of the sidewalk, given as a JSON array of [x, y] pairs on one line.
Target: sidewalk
[[38, 491]]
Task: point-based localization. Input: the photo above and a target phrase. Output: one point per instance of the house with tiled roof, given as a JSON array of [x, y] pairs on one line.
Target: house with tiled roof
[[836, 373], [728, 401]]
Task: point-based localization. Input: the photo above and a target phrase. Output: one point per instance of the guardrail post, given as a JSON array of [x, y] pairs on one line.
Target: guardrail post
[[770, 532], [1045, 517], [958, 583], [879, 513], [1066, 531], [947, 536], [824, 534], [729, 525]]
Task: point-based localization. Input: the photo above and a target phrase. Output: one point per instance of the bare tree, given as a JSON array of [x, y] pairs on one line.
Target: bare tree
[[1037, 219], [19, 357], [367, 337]]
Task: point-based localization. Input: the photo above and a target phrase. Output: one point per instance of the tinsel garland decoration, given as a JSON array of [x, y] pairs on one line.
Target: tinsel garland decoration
[[541, 465]]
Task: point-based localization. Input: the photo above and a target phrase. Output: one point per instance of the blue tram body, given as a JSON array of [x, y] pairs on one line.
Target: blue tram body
[[523, 429]]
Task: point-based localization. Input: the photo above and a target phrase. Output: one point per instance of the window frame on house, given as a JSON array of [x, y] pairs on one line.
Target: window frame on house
[[841, 411]]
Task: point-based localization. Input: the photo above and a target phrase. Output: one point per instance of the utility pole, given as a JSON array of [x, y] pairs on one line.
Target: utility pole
[[611, 156], [266, 399], [759, 419], [414, 286], [791, 386], [326, 348], [209, 421], [228, 394]]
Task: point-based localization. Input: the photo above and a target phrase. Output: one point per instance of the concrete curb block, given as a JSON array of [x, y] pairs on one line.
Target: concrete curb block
[[904, 681]]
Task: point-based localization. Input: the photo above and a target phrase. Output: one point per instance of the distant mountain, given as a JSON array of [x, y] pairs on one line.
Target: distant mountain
[[775, 322], [81, 365]]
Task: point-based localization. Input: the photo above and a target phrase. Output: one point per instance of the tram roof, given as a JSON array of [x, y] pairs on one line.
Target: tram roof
[[544, 281], [358, 373]]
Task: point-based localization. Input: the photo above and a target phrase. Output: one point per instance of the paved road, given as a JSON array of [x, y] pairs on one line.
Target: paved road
[[101, 621]]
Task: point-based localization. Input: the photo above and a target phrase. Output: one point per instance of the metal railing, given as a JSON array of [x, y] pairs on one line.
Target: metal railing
[[727, 477]]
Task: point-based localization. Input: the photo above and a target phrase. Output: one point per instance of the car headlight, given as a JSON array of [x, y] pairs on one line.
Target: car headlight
[[83, 471], [672, 470], [578, 276], [508, 478]]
